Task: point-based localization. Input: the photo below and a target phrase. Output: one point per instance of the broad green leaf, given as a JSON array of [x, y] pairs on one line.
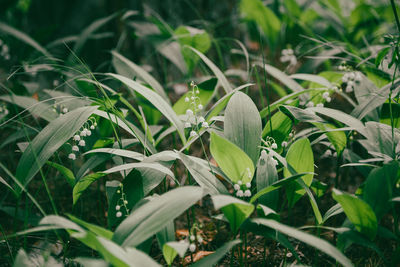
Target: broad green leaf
[[70, 101], [196, 38], [156, 100], [231, 159], [359, 213], [89, 262], [83, 184], [100, 231], [242, 124], [24, 38], [234, 209], [213, 259], [379, 138], [67, 173], [151, 217], [337, 138], [278, 184], [297, 114], [266, 212], [41, 109], [313, 202], [283, 100], [129, 127], [217, 72], [312, 78], [379, 186], [130, 70], [266, 176], [167, 234], [118, 152], [223, 101], [203, 177], [28, 260], [341, 117], [311, 240], [172, 51], [334, 210], [151, 165], [374, 101], [300, 157], [54, 135], [281, 127], [128, 256], [255, 10], [172, 249]]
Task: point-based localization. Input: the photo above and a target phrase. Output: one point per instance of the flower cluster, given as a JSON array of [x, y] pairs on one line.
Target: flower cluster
[[122, 202], [193, 119], [270, 142], [194, 237], [242, 190], [4, 50], [328, 153], [288, 56], [350, 79], [78, 138], [60, 108]]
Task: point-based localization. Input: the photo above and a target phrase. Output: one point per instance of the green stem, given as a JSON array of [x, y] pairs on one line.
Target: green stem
[[266, 87], [395, 14]]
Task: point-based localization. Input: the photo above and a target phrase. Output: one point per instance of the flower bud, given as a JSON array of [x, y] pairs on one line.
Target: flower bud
[[247, 193], [193, 133], [189, 112], [192, 247], [204, 124]]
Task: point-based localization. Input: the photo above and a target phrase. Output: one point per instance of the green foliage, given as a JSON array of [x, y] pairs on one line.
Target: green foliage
[[300, 158], [242, 124], [103, 142], [233, 161]]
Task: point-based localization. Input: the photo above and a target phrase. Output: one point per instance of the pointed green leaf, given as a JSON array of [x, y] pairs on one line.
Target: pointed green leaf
[[231, 159], [300, 157], [54, 135], [359, 213], [242, 124]]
